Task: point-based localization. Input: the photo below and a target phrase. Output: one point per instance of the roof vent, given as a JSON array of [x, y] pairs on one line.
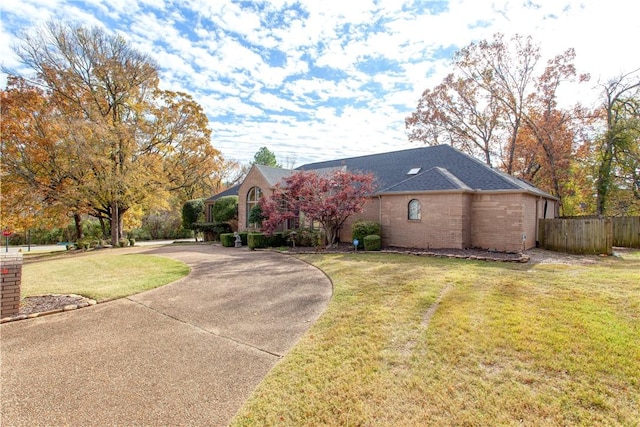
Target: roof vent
[[413, 171]]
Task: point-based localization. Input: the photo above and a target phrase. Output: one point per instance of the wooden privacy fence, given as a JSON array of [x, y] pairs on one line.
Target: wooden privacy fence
[[589, 235], [626, 231], [576, 235]]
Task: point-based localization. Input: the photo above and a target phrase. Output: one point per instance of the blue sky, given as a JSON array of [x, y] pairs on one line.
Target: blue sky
[[318, 80]]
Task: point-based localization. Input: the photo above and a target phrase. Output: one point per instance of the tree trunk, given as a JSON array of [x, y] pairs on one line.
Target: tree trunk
[[77, 219], [115, 223], [603, 180], [331, 236]]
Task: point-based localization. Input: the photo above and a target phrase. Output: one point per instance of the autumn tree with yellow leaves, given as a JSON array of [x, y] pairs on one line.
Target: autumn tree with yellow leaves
[[91, 132]]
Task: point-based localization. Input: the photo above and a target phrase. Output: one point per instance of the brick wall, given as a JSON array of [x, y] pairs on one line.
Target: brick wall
[[370, 213], [254, 179], [456, 220], [444, 222], [498, 221], [11, 273]]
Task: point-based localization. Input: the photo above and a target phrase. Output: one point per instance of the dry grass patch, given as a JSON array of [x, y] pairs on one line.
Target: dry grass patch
[[507, 344], [100, 276]]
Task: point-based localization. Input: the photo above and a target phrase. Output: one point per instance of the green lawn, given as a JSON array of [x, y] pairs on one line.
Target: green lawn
[[507, 344], [100, 276]]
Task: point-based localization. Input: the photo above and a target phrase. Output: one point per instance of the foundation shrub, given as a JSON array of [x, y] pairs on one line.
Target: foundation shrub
[[228, 240], [372, 242], [361, 229]]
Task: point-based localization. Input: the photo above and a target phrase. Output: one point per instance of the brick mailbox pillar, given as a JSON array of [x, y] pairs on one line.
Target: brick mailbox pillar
[[11, 269]]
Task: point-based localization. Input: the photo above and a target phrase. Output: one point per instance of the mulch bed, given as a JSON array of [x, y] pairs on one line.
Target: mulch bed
[[476, 254], [41, 305]]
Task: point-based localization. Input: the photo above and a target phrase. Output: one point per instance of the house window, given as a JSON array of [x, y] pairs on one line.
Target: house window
[[253, 198], [414, 209]]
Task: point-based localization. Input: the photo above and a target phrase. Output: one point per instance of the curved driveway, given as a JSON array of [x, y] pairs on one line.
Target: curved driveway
[[185, 354]]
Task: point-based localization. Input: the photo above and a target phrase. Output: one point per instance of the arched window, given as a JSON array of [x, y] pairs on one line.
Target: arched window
[[253, 198], [414, 209]]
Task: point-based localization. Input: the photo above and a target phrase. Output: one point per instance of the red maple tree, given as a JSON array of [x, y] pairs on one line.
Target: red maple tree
[[324, 198]]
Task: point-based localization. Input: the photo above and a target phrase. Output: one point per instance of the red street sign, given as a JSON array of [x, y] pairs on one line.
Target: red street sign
[[6, 233]]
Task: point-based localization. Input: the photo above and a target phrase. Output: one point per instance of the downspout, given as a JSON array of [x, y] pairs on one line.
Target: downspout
[[536, 227], [380, 215]]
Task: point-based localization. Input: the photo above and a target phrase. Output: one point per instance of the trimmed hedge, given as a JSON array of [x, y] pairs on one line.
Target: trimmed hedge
[[362, 229], [228, 240], [372, 242], [256, 240], [260, 240]]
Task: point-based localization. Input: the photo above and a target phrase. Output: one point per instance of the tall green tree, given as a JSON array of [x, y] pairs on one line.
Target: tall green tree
[[192, 212], [265, 157]]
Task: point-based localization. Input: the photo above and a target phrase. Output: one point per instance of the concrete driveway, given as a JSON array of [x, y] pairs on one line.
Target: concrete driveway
[[186, 354]]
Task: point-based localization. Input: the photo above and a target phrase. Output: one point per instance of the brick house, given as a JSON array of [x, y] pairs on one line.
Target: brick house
[[428, 197]]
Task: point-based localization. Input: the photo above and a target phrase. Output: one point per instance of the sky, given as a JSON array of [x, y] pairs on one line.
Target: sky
[[319, 80]]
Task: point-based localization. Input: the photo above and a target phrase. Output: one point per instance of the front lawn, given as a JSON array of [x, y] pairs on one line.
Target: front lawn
[[507, 344], [100, 276]]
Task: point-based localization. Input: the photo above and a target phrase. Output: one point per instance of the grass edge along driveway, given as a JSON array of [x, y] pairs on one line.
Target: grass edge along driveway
[[507, 344], [101, 276]]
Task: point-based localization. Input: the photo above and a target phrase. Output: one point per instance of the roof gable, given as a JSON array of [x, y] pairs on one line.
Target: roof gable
[[434, 179], [273, 175]]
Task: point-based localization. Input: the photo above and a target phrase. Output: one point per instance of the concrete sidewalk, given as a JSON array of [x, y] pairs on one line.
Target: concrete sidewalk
[[186, 354]]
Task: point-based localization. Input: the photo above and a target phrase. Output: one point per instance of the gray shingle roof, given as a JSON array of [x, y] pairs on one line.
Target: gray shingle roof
[[430, 180], [273, 175], [231, 191], [442, 167]]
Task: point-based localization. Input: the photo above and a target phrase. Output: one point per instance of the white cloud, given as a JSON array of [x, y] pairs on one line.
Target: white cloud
[[269, 101], [316, 101]]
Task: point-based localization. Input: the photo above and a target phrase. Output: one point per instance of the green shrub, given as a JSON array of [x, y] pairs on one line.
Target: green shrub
[[261, 240], [123, 243], [84, 243], [277, 239], [255, 215], [225, 209], [303, 237], [228, 240], [212, 230], [132, 241], [192, 211], [140, 234], [256, 241], [372, 242], [361, 229]]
